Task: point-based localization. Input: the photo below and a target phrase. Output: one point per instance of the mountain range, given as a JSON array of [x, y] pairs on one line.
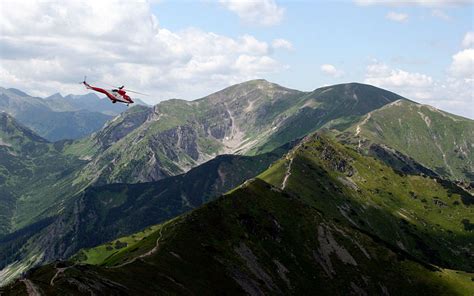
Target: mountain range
[[249, 118], [278, 190], [57, 117], [350, 230]]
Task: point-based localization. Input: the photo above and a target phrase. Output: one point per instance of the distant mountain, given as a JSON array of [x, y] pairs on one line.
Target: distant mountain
[[90, 102], [322, 220], [53, 119], [57, 117], [249, 118], [436, 139]]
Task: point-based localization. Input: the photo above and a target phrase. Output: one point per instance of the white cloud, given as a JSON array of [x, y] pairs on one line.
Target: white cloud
[[468, 40], [331, 70], [260, 12], [438, 13], [282, 43], [397, 17], [48, 47], [381, 75], [452, 94], [463, 64], [427, 3]]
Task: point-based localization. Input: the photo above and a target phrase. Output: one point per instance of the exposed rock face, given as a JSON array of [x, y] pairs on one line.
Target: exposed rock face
[[121, 126], [181, 138]]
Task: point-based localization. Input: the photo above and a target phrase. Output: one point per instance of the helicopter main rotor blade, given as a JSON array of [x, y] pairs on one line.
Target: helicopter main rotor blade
[[125, 89], [136, 92]]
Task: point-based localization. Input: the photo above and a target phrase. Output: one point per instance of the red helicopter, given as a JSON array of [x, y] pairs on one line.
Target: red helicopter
[[118, 94]]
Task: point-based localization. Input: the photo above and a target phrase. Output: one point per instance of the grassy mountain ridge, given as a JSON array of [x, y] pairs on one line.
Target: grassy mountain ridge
[[436, 139], [419, 214], [283, 233]]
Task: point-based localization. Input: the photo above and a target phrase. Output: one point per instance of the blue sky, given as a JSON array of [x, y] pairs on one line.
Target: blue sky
[[187, 49], [346, 35]]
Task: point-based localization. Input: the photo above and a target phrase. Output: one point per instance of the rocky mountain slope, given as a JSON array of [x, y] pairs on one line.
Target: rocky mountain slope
[[324, 219], [438, 140], [249, 118]]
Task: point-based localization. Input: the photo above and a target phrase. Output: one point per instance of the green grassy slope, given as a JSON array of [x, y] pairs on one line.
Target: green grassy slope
[[106, 212], [324, 220], [428, 218], [249, 242], [438, 140], [38, 178], [34, 175]]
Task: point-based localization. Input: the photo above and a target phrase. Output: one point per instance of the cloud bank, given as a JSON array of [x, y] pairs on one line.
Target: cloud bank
[[48, 47], [454, 92]]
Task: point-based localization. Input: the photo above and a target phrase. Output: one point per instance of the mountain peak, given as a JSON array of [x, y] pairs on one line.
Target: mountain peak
[[55, 96], [357, 87], [86, 96], [355, 98], [18, 92], [259, 83], [250, 90]]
